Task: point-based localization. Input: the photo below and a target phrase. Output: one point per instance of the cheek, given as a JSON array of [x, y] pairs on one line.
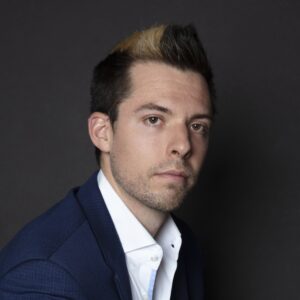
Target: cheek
[[138, 139], [136, 148], [122, 149], [131, 151], [200, 151]]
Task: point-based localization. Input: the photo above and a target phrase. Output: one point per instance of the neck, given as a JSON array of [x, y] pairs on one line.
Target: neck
[[150, 218]]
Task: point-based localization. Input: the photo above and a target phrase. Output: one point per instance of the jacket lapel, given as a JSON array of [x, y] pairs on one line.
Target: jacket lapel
[[95, 210], [180, 286], [188, 280]]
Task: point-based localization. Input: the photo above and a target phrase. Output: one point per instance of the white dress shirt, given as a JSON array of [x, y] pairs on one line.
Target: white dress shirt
[[151, 263]]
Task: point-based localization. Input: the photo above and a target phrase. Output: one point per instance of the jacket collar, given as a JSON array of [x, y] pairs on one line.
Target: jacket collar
[[107, 238]]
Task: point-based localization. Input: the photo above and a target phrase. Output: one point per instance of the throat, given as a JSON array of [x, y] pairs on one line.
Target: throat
[[150, 218]]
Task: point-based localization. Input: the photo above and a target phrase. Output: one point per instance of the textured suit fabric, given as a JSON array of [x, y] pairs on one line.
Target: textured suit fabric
[[73, 252]]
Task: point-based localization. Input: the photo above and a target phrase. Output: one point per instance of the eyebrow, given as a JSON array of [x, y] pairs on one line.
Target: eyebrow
[[202, 116], [153, 106]]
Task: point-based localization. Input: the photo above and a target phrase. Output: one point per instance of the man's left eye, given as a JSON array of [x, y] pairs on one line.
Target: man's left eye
[[197, 127]]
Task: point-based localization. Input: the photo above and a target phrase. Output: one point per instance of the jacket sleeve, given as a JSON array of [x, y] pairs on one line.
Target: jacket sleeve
[[39, 279]]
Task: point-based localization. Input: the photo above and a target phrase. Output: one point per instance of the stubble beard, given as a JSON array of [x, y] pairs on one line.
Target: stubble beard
[[166, 199]]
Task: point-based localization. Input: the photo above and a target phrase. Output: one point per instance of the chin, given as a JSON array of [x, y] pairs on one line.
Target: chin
[[166, 205]]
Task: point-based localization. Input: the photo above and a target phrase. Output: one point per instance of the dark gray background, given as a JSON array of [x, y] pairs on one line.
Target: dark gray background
[[246, 208]]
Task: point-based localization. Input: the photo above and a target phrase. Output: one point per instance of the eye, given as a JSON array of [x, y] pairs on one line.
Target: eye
[[200, 128], [152, 120]]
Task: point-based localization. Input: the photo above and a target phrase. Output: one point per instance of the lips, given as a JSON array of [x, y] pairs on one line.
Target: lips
[[173, 175]]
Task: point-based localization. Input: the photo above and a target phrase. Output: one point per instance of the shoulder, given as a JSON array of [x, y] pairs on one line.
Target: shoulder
[[60, 253], [29, 264], [39, 279], [41, 238]]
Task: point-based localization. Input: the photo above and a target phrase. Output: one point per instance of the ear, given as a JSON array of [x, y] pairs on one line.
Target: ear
[[100, 131]]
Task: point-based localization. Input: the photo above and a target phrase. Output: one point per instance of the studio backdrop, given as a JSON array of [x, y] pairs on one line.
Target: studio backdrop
[[245, 210]]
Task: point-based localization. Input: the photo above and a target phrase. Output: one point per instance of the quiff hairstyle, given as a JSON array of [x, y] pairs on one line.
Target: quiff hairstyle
[[174, 45]]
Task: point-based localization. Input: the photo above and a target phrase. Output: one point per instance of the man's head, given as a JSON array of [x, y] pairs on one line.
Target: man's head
[[174, 45], [152, 105]]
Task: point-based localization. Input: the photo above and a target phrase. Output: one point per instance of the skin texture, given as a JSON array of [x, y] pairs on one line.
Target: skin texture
[[154, 151]]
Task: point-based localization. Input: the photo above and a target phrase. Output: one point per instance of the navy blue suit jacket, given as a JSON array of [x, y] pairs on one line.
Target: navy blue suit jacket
[[73, 252]]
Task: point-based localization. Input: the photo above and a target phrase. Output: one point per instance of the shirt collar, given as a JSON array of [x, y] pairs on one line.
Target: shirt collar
[[133, 235], [169, 238]]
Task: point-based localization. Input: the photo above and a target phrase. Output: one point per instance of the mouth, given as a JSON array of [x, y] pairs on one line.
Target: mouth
[[173, 175]]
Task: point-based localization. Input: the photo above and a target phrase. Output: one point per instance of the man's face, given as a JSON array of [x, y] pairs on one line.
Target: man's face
[[160, 137]]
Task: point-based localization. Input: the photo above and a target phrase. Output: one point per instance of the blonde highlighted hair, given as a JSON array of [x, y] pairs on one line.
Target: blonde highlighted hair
[[143, 44]]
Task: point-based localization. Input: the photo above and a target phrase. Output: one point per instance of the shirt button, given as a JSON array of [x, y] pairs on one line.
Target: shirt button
[[144, 295], [154, 258]]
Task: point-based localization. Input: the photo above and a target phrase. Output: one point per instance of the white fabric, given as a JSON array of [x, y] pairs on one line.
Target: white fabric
[[151, 263]]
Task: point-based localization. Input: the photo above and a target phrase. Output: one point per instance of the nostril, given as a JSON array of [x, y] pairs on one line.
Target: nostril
[[175, 152]]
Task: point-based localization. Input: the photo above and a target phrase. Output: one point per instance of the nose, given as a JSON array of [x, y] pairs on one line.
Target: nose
[[180, 142]]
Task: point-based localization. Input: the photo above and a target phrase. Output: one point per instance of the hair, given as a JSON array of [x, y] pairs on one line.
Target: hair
[[174, 45]]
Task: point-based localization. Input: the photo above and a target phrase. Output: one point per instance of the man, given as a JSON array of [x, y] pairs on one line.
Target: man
[[114, 237]]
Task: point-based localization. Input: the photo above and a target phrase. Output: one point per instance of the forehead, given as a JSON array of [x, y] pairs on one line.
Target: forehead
[[160, 83]]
